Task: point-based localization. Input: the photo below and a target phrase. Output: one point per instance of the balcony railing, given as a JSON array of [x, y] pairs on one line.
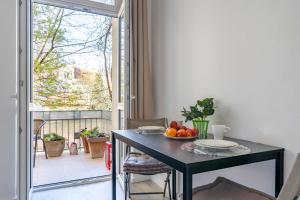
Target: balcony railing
[[70, 123]]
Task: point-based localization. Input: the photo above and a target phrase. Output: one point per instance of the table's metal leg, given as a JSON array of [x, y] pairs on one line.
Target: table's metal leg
[[113, 148], [187, 185], [174, 195], [279, 173]]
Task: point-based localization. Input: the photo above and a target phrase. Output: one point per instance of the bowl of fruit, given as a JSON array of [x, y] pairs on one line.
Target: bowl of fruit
[[179, 132]]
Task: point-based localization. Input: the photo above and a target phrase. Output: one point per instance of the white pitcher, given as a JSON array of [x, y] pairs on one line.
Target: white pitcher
[[219, 130]]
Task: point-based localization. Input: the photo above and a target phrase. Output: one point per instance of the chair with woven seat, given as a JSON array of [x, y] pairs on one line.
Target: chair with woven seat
[[142, 164], [224, 189]]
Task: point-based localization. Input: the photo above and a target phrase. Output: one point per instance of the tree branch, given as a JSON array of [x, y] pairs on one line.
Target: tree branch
[[48, 35], [105, 61], [53, 38]]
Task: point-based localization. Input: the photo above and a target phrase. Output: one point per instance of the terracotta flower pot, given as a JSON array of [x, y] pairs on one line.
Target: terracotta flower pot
[[85, 144], [97, 146], [54, 148]]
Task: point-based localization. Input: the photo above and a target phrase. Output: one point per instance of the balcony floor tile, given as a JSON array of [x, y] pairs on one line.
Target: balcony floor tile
[[67, 168]]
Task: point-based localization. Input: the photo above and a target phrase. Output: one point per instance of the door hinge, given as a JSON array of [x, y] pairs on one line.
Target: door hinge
[[20, 130], [20, 2], [20, 51]]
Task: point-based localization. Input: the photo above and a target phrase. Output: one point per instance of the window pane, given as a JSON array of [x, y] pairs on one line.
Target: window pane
[[110, 2], [72, 54]]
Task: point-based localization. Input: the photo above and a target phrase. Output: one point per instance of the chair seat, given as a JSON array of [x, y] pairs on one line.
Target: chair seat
[[224, 189], [137, 163]]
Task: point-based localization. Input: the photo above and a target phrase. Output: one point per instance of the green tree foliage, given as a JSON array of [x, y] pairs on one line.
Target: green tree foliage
[[49, 89], [100, 98]]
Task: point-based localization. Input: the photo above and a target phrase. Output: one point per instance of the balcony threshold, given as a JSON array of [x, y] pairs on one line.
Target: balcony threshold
[[72, 183]]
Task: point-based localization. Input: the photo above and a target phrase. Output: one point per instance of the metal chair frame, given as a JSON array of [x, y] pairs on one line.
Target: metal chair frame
[[36, 137], [127, 177], [127, 187]]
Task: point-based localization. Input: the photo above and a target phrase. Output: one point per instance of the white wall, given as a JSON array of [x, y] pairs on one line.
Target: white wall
[[245, 54], [8, 68]]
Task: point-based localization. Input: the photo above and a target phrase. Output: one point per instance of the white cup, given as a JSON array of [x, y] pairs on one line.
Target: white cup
[[219, 130]]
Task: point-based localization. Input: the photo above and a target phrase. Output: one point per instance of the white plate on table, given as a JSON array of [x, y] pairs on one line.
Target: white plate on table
[[151, 128], [216, 144]]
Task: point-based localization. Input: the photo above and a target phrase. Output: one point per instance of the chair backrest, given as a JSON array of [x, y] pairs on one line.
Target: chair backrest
[[38, 125], [291, 188], [135, 123]]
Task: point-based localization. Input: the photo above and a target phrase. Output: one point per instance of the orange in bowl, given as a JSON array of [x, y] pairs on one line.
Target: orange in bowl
[[171, 132]]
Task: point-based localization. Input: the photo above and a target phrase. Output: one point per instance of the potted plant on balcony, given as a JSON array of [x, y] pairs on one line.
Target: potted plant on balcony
[[97, 141], [54, 144], [198, 115], [84, 135]]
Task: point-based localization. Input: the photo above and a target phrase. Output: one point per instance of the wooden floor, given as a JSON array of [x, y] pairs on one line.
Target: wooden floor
[[98, 191]]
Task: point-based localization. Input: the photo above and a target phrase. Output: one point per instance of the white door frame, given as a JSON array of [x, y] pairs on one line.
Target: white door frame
[[86, 6], [125, 105], [24, 157]]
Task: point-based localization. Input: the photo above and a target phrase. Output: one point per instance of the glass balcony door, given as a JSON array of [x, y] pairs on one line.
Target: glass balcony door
[[123, 79]]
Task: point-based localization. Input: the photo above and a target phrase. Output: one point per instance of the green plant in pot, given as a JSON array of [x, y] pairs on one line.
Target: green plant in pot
[[95, 133], [198, 115], [84, 134], [54, 144], [97, 141]]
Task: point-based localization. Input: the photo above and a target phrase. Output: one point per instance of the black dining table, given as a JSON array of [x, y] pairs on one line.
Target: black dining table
[[169, 151]]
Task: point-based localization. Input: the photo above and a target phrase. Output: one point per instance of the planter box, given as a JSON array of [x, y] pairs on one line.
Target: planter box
[[97, 146], [85, 144], [54, 148]]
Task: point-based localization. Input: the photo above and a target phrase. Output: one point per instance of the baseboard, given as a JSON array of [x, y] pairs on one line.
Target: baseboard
[[15, 198]]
